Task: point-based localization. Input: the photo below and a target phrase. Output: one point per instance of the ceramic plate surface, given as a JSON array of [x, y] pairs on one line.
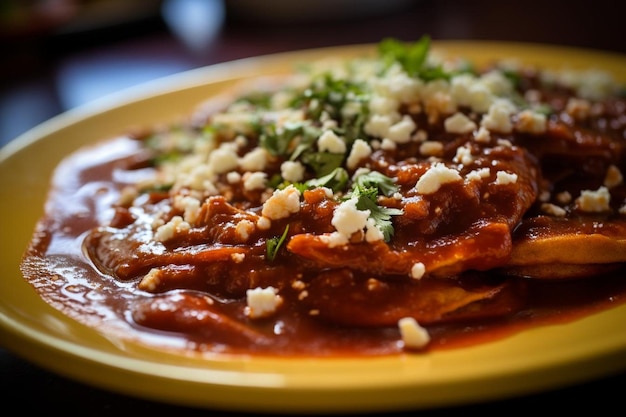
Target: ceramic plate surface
[[534, 360]]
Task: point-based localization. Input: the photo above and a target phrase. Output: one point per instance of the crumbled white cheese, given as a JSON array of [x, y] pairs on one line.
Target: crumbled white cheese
[[613, 177], [401, 131], [594, 201], [578, 108], [531, 122], [478, 174], [439, 104], [437, 175], [504, 142], [330, 142], [463, 155], [418, 270], [151, 280], [170, 229], [459, 123], [334, 239], [498, 118], [243, 229], [553, 210], [378, 125], [254, 180], [373, 233], [420, 136], [398, 85], [360, 150], [592, 84], [482, 135], [468, 91], [238, 257], [223, 159], [200, 177], [233, 177], [348, 219], [292, 171], [383, 105], [544, 196], [255, 160], [190, 206], [497, 82], [431, 148], [282, 203], [413, 335], [262, 302], [263, 223], [503, 178], [564, 197], [387, 144]]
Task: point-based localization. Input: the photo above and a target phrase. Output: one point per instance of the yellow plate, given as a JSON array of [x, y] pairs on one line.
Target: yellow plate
[[538, 359]]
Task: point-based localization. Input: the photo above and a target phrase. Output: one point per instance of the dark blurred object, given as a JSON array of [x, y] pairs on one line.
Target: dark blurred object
[[309, 11], [32, 31]]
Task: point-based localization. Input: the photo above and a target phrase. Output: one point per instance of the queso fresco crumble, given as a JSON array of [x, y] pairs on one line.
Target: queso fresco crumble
[[394, 178]]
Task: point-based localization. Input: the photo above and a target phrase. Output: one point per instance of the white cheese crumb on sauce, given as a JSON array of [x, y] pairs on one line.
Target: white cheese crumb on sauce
[[413, 335], [262, 302], [435, 177]]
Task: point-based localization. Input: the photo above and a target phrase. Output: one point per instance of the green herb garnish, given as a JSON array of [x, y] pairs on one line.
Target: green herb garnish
[[336, 180], [273, 244], [413, 57], [366, 188]]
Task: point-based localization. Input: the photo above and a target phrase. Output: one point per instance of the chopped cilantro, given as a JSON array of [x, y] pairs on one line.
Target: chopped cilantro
[[323, 163], [513, 76], [412, 56], [259, 99], [277, 142], [380, 214], [328, 94], [274, 244], [336, 180], [544, 108], [156, 188], [376, 182], [367, 187]]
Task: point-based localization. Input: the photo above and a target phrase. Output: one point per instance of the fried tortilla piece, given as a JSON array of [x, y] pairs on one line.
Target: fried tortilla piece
[[555, 271], [341, 297], [552, 247], [481, 247], [576, 154], [194, 314], [462, 225]]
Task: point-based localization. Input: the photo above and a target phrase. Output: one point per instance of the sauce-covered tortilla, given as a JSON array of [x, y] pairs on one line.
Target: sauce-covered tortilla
[[402, 202]]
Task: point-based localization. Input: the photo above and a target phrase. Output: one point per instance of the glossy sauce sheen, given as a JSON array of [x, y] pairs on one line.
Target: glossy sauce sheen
[[497, 243], [88, 183]]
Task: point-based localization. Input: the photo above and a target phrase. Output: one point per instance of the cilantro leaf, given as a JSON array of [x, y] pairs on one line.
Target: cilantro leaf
[[366, 188], [323, 163], [380, 214], [273, 244], [377, 181], [336, 180], [413, 57], [278, 141]]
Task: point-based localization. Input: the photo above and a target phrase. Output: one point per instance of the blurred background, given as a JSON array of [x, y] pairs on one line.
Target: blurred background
[[59, 54]]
